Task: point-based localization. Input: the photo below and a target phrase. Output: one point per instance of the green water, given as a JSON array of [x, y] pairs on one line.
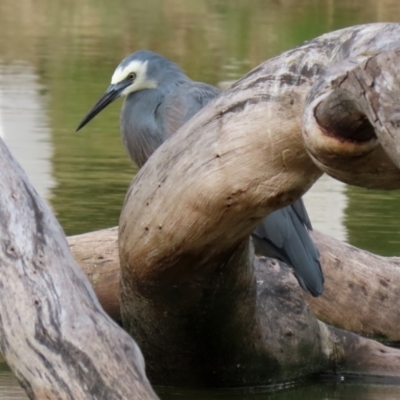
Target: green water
[[57, 57]]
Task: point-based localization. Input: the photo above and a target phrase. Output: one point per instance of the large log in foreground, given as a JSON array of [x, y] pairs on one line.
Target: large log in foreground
[[53, 332], [201, 308]]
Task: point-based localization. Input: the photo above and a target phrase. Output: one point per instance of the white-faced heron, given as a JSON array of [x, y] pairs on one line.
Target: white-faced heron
[[160, 98]]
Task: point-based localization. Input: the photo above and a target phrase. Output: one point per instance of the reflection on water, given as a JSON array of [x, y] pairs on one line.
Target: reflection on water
[[373, 220], [9, 387], [56, 59], [326, 203], [24, 126]]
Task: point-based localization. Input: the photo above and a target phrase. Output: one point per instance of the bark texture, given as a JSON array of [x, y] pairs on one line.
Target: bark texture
[[189, 287], [53, 332]]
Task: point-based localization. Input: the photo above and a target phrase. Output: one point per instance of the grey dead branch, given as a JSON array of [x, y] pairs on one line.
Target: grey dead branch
[[203, 309], [54, 334]]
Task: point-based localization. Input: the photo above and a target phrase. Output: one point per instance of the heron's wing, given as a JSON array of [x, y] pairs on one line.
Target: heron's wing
[[184, 102], [284, 235]]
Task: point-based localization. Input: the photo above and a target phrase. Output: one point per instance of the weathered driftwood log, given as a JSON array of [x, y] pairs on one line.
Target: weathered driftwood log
[[361, 289], [53, 332], [190, 293]]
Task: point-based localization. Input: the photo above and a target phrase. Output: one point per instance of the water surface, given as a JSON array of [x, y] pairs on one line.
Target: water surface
[[9, 390]]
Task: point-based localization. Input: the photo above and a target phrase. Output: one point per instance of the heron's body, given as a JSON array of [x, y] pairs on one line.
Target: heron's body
[[160, 98], [147, 120]]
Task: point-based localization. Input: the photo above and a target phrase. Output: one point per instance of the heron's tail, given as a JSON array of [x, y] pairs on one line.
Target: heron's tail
[[284, 235]]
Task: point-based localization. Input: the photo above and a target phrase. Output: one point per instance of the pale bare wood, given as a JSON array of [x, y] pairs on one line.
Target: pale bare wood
[[53, 332], [243, 157], [186, 220]]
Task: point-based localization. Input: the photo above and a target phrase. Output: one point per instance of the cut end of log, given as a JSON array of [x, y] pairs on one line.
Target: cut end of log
[[350, 125], [345, 134]]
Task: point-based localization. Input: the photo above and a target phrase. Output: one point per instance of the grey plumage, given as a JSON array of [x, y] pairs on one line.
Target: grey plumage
[[283, 235], [142, 132], [160, 98]]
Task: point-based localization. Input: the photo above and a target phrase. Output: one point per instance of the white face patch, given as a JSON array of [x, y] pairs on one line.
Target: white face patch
[[141, 82]]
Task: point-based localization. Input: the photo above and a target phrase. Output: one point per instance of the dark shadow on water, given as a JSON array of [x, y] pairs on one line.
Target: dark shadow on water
[[323, 388], [327, 388]]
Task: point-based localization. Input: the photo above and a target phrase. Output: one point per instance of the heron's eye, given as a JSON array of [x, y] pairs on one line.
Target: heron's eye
[[132, 76]]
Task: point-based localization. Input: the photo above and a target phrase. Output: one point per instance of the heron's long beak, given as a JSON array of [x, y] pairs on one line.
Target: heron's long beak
[[111, 94]]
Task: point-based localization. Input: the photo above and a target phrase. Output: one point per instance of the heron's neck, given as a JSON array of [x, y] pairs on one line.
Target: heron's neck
[[141, 134], [141, 131]]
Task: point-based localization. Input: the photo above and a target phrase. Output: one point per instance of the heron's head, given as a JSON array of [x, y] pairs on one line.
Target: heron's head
[[139, 71]]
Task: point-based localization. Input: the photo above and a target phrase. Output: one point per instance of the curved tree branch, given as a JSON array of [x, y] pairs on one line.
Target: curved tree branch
[[186, 264]]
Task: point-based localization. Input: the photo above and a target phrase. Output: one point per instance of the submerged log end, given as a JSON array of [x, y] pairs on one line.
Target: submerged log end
[[355, 355]]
